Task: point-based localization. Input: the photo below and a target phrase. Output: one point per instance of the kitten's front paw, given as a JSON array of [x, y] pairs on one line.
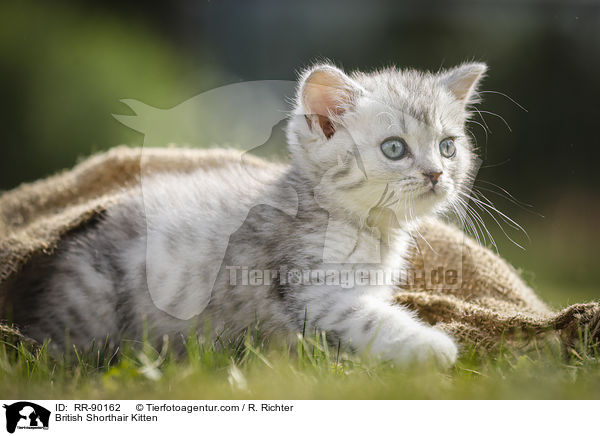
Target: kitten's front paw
[[431, 344]]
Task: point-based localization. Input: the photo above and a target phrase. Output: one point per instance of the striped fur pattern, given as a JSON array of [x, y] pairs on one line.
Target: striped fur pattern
[[174, 253]]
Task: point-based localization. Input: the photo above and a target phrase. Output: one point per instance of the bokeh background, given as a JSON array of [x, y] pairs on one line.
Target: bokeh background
[[65, 66]]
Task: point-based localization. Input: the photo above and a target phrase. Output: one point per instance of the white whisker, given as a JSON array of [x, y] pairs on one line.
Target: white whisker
[[504, 95], [496, 115]]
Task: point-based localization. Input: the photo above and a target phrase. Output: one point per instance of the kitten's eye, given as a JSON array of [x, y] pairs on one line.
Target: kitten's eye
[[394, 148], [447, 148]]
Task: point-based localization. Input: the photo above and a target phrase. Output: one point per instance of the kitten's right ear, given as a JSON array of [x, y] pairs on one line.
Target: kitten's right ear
[[462, 81], [325, 93]]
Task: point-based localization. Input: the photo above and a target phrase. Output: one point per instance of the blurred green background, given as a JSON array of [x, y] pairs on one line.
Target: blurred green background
[[65, 66]]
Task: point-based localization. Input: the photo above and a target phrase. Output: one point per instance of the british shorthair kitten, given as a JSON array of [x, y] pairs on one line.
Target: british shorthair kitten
[[360, 144]]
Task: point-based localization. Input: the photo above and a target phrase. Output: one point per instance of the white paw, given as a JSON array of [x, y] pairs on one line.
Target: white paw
[[429, 345]]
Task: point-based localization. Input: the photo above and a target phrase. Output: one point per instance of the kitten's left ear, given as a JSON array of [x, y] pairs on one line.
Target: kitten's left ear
[[462, 81], [325, 93]]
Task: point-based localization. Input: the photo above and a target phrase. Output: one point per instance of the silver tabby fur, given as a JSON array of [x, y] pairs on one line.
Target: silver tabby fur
[[96, 285]]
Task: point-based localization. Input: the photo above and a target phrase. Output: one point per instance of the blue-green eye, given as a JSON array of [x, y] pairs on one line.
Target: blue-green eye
[[447, 148], [394, 148]]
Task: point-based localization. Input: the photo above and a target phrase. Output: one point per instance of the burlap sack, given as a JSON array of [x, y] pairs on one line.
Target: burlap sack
[[487, 302]]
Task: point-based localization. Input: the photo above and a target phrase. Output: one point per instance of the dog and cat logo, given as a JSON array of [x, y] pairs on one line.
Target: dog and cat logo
[[26, 415]]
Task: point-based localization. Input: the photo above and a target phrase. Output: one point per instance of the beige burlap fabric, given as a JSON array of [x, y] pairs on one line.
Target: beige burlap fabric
[[484, 300]]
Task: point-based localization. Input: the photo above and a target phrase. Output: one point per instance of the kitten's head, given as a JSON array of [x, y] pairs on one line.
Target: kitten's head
[[392, 138]]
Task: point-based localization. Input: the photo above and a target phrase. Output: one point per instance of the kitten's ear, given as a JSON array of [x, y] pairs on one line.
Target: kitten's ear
[[462, 81], [325, 93]]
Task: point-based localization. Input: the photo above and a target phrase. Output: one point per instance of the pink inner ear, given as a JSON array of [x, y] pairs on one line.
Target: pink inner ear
[[323, 99], [325, 93]]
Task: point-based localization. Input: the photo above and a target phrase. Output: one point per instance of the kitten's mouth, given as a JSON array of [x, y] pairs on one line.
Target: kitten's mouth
[[429, 193], [433, 194]]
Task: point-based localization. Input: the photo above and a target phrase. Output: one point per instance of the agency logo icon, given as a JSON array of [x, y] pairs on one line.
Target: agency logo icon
[[26, 415]]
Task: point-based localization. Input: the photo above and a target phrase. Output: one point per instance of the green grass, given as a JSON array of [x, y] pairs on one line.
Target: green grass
[[249, 367]]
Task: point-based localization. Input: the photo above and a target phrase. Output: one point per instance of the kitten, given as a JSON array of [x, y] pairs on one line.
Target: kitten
[[360, 144]]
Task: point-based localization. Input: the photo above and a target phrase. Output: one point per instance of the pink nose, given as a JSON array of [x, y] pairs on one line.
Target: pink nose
[[433, 176]]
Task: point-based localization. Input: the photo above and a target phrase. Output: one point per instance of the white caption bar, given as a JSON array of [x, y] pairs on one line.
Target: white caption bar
[[158, 417]]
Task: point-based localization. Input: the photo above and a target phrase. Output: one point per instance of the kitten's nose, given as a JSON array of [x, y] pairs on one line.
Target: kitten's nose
[[433, 176]]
